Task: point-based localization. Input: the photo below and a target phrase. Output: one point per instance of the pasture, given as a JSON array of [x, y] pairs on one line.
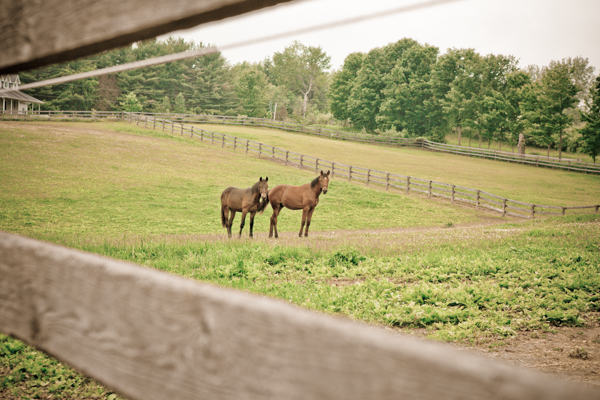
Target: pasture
[[514, 181], [406, 263]]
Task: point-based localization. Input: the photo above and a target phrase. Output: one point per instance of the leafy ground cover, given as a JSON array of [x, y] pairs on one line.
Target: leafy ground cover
[[515, 181]]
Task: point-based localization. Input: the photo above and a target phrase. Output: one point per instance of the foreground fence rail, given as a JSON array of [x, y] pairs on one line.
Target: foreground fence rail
[[477, 198], [151, 335], [528, 159]]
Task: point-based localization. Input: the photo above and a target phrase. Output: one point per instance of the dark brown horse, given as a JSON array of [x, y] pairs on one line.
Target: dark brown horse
[[305, 198], [251, 200]]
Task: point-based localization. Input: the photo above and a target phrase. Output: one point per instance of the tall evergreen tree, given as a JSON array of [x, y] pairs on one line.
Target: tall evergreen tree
[[590, 133]]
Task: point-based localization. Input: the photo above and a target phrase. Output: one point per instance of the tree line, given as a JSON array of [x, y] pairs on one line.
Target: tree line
[[405, 88]]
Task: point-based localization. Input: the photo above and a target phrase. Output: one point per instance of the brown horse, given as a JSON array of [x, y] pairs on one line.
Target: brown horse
[[305, 198], [252, 200]]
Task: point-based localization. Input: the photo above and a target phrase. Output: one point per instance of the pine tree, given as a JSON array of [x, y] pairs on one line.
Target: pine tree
[[590, 133]]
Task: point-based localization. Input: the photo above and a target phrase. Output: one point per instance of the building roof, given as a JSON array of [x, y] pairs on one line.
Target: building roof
[[18, 95], [11, 78]]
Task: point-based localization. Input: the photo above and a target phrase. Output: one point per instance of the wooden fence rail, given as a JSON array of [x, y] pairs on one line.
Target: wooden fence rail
[[151, 335], [408, 184], [528, 159]]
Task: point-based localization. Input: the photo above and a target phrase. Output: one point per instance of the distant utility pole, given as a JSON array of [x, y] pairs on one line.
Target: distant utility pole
[[274, 111]]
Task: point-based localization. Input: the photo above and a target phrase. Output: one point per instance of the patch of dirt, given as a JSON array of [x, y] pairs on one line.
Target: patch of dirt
[[557, 353]]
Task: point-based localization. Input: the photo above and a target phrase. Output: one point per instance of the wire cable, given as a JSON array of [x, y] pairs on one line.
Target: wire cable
[[214, 49]]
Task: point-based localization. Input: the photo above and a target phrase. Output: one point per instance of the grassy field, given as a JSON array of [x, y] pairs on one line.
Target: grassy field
[[403, 262], [90, 179], [514, 181]]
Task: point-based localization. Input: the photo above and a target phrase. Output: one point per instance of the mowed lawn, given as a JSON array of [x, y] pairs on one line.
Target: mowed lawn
[[111, 179], [514, 181]]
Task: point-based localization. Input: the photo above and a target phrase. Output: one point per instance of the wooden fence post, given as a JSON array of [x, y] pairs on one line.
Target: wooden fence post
[[504, 207], [163, 124], [533, 211], [247, 143], [234, 142], [212, 137], [272, 153], [407, 184], [596, 212], [138, 120], [368, 176], [301, 160], [563, 210], [349, 173], [287, 153], [478, 197], [317, 166], [146, 122], [172, 127], [192, 132], [222, 141], [332, 169], [181, 129], [154, 124], [260, 149], [429, 194], [452, 199], [387, 181]]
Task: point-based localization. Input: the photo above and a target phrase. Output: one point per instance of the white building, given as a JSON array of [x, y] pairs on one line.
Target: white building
[[13, 100]]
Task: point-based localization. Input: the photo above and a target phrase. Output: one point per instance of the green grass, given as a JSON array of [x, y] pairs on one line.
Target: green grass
[[514, 181], [109, 179], [132, 194], [470, 284]]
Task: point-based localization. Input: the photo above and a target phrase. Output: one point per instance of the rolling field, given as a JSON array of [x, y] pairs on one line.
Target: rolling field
[[419, 266]]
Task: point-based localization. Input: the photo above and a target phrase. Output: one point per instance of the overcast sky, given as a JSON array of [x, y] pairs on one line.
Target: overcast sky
[[534, 31]]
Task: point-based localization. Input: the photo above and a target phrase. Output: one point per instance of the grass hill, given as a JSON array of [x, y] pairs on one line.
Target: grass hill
[[110, 179], [514, 181]]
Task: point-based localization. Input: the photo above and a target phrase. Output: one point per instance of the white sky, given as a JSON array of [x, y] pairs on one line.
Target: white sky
[[534, 31]]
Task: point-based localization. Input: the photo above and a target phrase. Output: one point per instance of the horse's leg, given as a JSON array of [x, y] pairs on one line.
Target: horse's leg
[[305, 211], [308, 221], [273, 226], [244, 212], [252, 214], [230, 222]]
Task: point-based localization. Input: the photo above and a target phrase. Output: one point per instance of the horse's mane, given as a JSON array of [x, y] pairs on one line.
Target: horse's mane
[[315, 182]]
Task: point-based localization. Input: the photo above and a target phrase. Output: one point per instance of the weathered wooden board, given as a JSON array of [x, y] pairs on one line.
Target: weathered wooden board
[[151, 335], [38, 33]]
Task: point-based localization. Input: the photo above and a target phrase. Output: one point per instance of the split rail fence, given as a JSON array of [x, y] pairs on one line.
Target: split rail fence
[[409, 184], [392, 141]]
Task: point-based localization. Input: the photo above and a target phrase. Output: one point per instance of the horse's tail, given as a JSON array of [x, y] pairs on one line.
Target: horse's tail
[[262, 205], [223, 205]]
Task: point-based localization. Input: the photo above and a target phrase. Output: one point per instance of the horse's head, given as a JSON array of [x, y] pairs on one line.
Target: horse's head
[[324, 181], [263, 187]]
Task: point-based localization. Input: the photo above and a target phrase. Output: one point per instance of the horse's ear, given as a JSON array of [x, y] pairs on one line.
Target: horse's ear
[[322, 172], [267, 179], [328, 172], [260, 179]]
